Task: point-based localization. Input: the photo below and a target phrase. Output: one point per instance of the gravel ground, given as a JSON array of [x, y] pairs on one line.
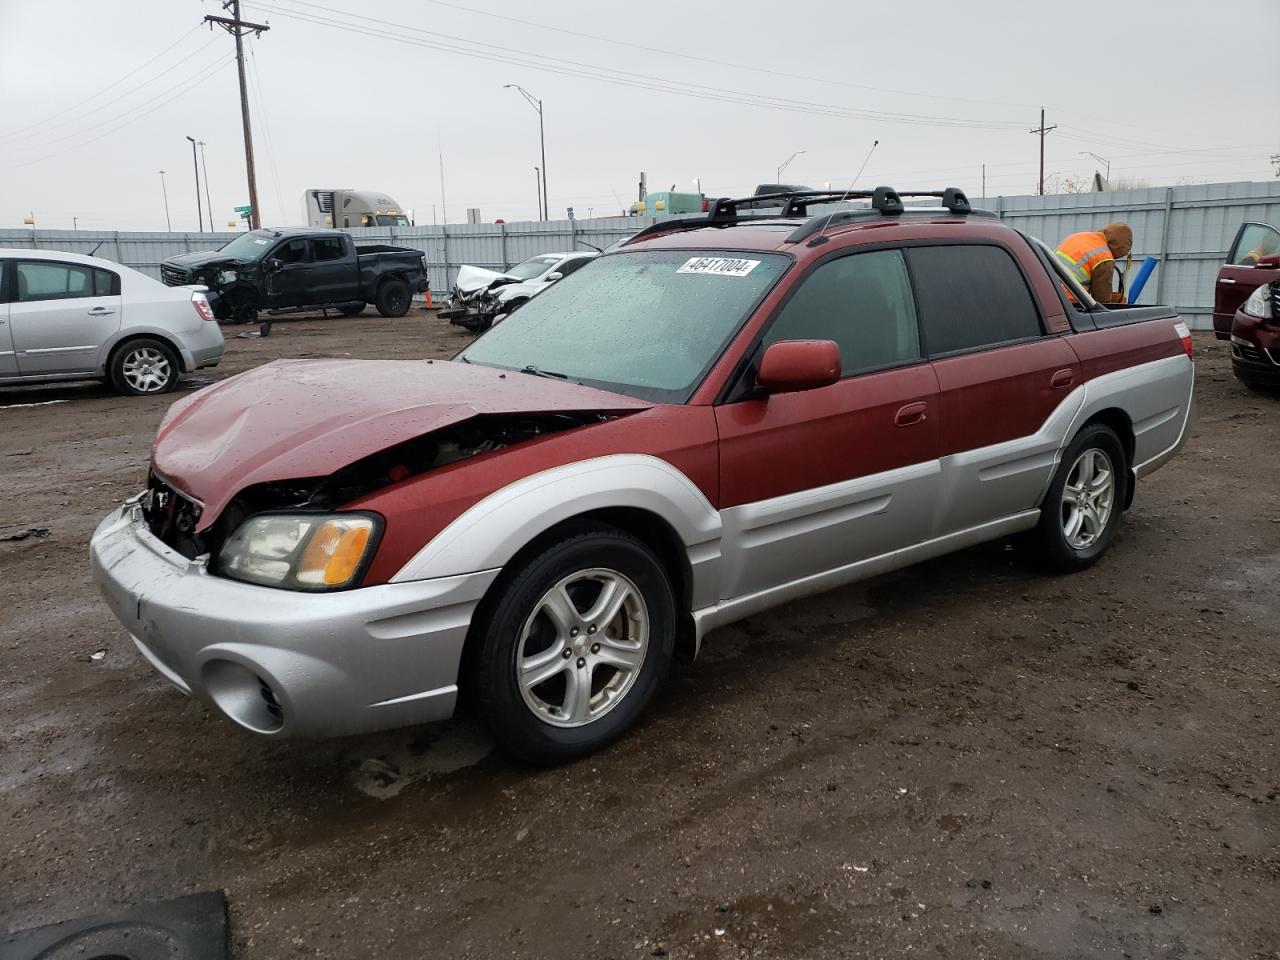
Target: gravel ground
[[964, 759]]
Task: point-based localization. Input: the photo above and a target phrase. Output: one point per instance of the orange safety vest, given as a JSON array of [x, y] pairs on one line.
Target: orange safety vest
[[1082, 252]]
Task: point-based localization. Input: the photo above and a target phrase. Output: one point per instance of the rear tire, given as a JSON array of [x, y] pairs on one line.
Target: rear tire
[[144, 367], [1080, 513], [594, 617], [393, 298]]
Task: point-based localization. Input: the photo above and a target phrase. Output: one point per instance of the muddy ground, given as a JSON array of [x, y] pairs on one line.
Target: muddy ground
[[965, 759]]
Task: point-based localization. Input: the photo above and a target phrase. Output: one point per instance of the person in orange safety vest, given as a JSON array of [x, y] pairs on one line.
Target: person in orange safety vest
[[1091, 257]]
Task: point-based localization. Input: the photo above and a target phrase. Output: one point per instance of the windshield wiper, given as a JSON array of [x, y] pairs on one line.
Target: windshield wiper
[[544, 373]]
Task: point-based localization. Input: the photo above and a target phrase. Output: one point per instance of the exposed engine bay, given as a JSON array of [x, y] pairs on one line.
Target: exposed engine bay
[[173, 517]]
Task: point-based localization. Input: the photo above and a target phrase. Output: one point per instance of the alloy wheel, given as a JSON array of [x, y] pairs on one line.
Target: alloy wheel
[[582, 648], [147, 370], [1088, 498]]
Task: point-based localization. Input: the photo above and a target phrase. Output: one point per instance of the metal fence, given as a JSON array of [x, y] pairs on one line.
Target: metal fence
[[1189, 228]]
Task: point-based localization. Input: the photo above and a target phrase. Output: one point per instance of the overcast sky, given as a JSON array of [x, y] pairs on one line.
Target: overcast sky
[[97, 96]]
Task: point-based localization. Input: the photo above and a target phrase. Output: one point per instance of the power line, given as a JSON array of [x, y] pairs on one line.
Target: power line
[[12, 134], [573, 68]]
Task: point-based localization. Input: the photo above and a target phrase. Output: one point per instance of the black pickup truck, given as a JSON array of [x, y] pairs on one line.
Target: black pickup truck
[[274, 269]]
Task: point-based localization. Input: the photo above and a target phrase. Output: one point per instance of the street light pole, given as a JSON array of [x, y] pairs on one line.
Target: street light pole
[[205, 167], [537, 185], [542, 141], [165, 191], [786, 163], [195, 165], [1102, 160]]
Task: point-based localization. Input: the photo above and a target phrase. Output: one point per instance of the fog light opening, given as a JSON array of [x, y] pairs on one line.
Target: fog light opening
[[244, 696]]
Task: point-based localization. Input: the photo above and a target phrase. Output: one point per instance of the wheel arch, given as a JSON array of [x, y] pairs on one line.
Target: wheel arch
[[133, 335], [1122, 425]]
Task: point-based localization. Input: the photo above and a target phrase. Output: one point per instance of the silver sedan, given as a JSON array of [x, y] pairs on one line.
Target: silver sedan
[[66, 316]]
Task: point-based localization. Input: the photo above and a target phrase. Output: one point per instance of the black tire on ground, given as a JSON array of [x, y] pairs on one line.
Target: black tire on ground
[[143, 367], [1097, 469], [244, 311], [393, 298], [529, 724], [351, 309]]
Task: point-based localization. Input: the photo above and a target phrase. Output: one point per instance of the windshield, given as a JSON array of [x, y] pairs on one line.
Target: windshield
[[249, 246], [647, 324], [533, 267], [392, 220]]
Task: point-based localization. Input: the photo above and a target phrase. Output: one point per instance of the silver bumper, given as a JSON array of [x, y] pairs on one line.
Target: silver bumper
[[282, 663]]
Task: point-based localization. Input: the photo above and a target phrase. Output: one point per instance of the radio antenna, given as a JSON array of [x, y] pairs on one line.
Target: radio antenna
[[854, 183]]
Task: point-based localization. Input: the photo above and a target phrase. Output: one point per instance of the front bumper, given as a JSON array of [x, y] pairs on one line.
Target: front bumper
[[284, 663]]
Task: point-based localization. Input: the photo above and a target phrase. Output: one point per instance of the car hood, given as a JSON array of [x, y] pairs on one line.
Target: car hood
[[295, 419], [201, 258], [471, 279]]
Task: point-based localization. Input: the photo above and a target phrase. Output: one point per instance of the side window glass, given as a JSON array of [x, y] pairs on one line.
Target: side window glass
[[104, 283], [863, 302], [1257, 240], [295, 251], [971, 296], [53, 281], [327, 248], [568, 266]]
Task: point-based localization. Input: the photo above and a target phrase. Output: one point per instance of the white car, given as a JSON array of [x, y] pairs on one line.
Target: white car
[[66, 316], [481, 295]]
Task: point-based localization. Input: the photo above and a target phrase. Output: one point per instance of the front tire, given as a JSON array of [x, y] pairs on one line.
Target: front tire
[[393, 298], [143, 367], [1080, 513], [579, 640]]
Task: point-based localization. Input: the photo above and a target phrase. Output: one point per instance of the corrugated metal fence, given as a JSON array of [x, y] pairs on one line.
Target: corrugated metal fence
[[1189, 228]]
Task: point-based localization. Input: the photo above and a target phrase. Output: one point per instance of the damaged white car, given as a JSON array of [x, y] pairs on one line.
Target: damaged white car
[[480, 296]]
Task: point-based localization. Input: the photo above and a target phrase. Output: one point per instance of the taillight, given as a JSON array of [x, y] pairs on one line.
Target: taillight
[[705, 205], [1182, 331], [201, 303]]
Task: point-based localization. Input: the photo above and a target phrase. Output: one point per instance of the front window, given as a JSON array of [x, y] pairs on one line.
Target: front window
[[46, 280], [392, 220], [647, 324], [533, 267], [249, 246]]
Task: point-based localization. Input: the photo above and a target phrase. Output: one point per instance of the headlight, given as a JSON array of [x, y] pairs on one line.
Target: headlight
[[226, 276], [300, 551], [1259, 303]]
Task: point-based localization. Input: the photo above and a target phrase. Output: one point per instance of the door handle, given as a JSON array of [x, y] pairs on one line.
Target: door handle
[[100, 312], [911, 413], [1225, 280], [1062, 378]]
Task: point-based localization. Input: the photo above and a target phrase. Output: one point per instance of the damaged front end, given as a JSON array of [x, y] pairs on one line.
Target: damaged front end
[[174, 518], [473, 303]]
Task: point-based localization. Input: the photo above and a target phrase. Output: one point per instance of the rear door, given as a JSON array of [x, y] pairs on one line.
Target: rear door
[[816, 480], [1241, 275], [1001, 378], [332, 276], [61, 314], [8, 363]]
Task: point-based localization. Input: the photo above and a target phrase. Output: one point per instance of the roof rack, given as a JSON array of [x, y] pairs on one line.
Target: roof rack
[[885, 201]]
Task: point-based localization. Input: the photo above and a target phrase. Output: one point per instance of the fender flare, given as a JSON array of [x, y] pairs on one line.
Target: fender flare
[[490, 533]]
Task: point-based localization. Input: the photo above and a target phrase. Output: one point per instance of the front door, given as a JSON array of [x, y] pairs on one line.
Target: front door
[[288, 274], [817, 480], [8, 363], [60, 315], [1241, 275], [1000, 379]]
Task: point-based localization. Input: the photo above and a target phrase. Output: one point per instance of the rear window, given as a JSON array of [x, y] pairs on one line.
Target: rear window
[[49, 280], [971, 296]]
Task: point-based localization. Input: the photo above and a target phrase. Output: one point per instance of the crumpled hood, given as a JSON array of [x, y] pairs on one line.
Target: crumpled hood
[[201, 258], [292, 419], [471, 279]]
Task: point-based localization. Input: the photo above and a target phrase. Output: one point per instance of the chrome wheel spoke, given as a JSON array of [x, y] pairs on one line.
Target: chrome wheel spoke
[[1073, 523], [614, 654], [560, 611], [613, 594], [541, 667]]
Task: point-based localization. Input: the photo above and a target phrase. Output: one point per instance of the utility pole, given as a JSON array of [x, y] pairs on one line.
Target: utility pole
[[537, 185], [238, 28], [75, 223], [984, 180], [1041, 131], [165, 191], [536, 103], [205, 166], [195, 165], [444, 206]]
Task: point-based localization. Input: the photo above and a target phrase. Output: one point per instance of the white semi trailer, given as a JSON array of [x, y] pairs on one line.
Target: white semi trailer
[[329, 207]]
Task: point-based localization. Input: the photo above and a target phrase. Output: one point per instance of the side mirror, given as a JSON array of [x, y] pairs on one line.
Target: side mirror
[[553, 276], [274, 265], [1270, 261], [792, 365]]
